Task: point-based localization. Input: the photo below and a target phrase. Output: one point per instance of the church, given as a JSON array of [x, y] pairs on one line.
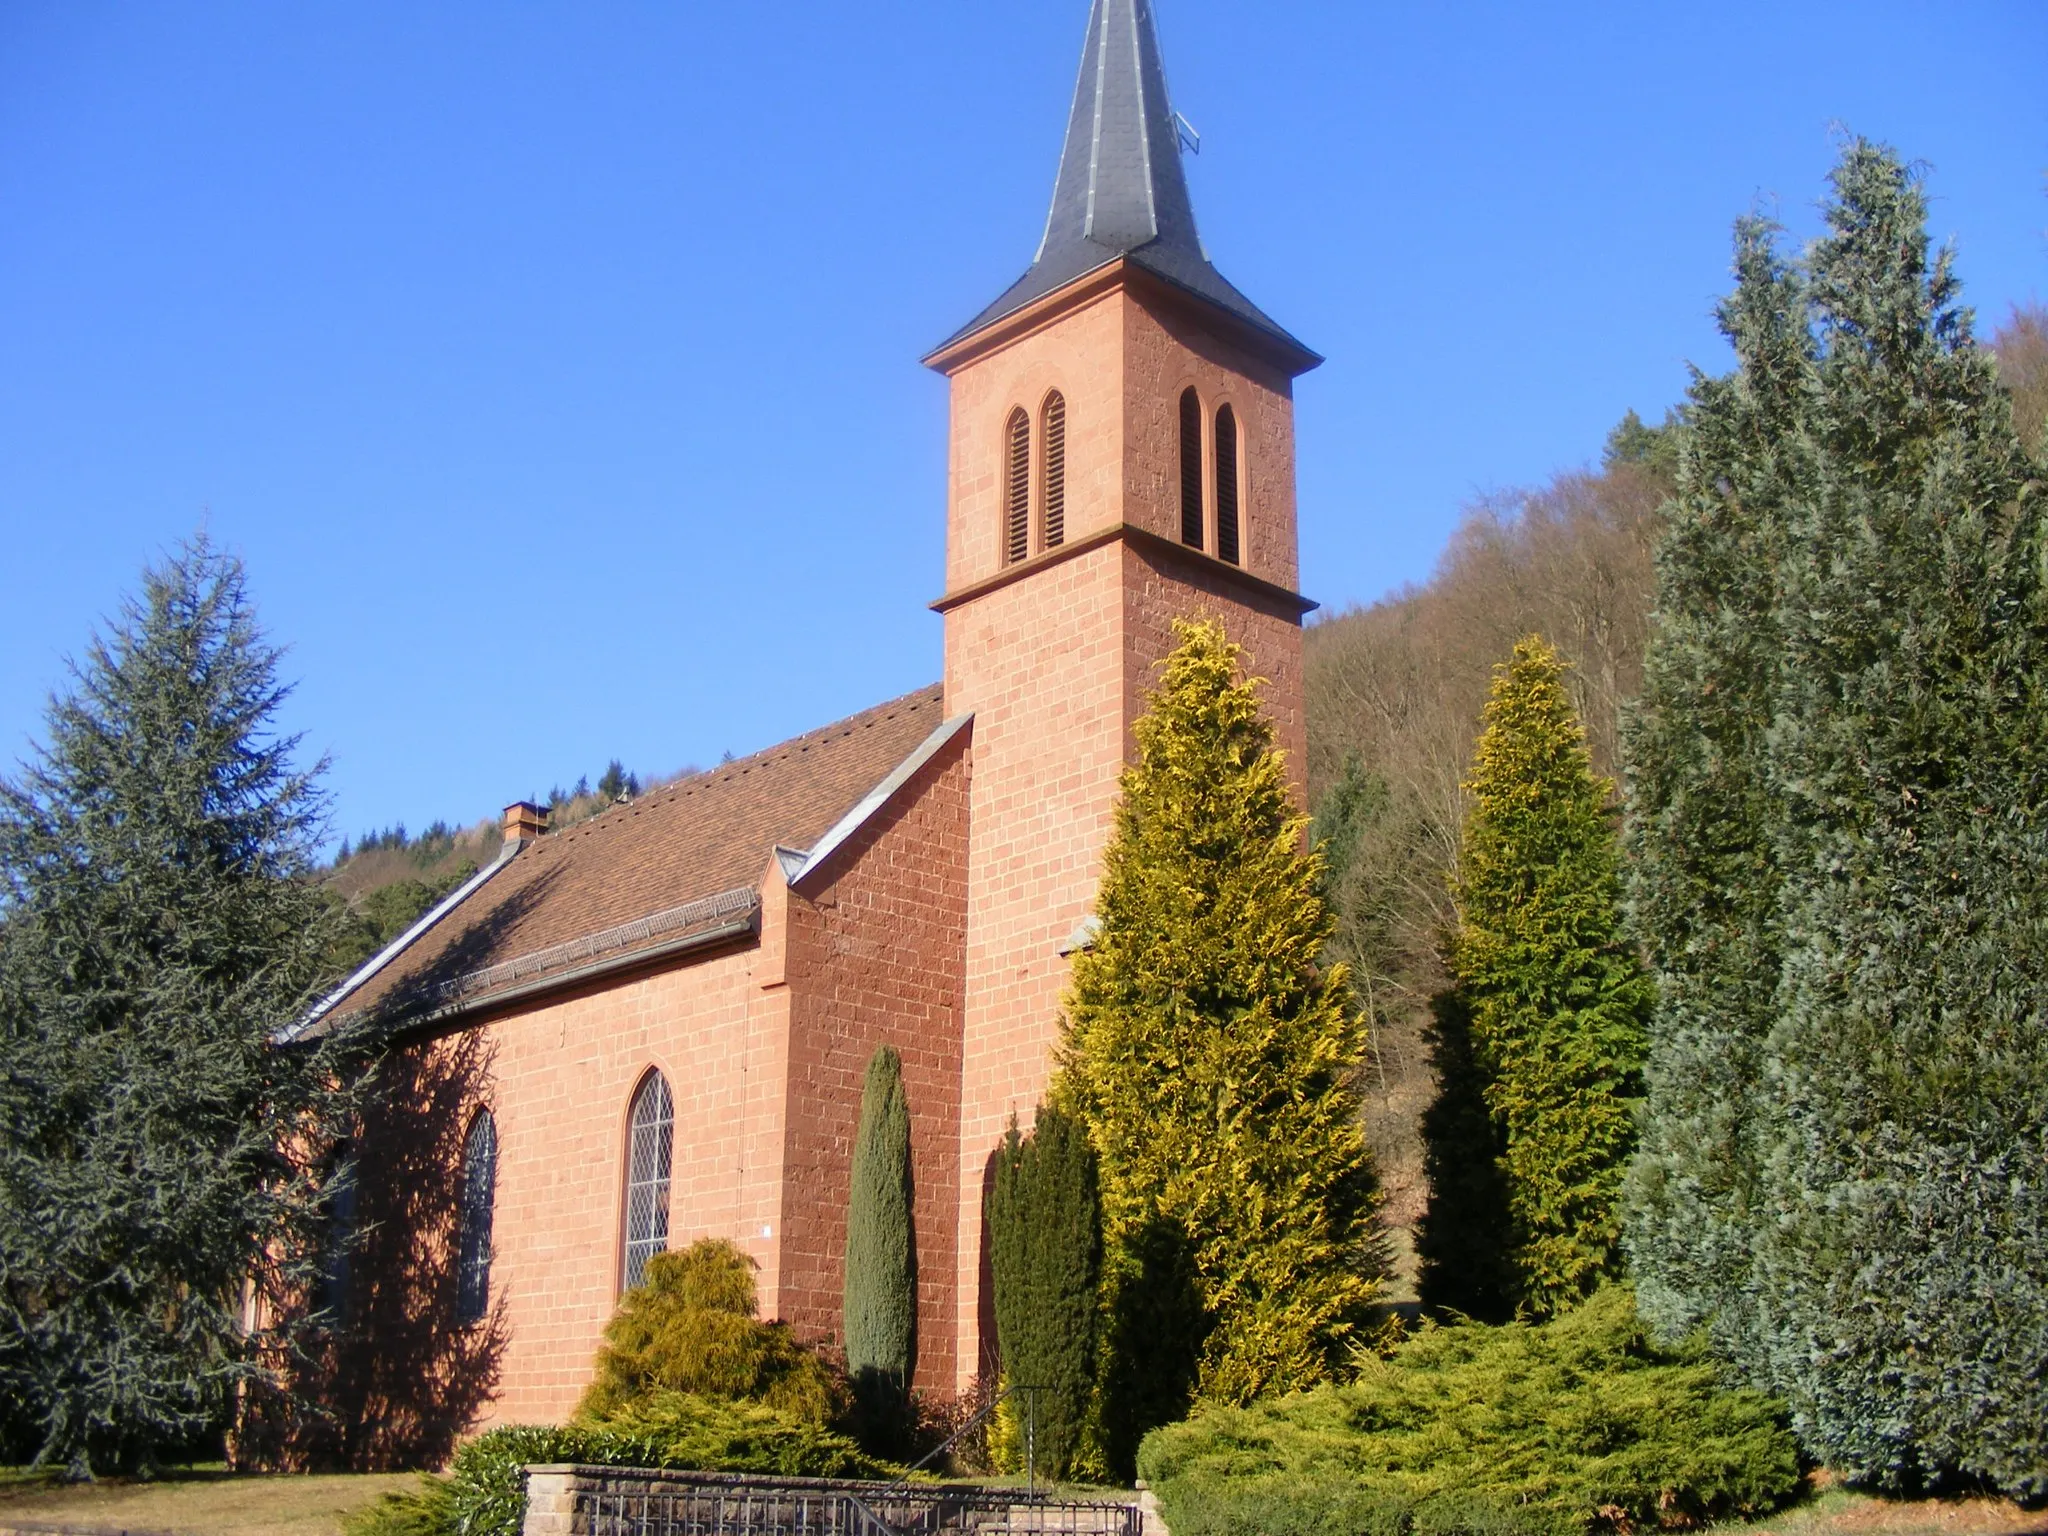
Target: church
[[652, 1027]]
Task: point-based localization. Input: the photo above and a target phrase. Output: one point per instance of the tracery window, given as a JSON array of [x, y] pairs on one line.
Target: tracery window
[[1226, 484], [651, 1144], [1017, 487], [1053, 419], [479, 1201], [1191, 468]]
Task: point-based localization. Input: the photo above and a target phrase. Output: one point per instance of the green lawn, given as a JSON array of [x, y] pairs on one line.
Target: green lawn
[[201, 1502]]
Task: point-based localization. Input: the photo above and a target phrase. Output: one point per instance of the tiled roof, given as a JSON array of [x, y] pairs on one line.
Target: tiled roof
[[645, 873]]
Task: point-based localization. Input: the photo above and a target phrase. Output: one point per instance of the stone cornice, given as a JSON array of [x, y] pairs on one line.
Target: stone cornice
[[1270, 594]]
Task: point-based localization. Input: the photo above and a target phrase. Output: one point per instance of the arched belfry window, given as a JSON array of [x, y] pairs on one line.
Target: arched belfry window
[[1017, 487], [1191, 468], [1226, 484], [651, 1144], [1054, 427], [479, 1199]]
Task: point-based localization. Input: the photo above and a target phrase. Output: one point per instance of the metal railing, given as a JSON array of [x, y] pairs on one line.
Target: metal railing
[[678, 1506]]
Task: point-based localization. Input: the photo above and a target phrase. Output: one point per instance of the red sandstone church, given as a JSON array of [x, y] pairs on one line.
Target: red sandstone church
[[652, 1027]]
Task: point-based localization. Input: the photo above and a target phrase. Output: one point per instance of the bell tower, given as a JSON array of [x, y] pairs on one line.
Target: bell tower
[[1121, 455]]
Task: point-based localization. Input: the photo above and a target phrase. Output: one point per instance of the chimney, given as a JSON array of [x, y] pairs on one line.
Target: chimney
[[524, 823]]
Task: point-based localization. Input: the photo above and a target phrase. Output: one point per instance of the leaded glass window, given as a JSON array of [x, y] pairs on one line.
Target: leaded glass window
[[331, 1288], [479, 1197], [651, 1147]]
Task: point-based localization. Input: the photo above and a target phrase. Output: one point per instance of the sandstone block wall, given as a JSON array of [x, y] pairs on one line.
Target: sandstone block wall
[[1040, 663], [559, 1079], [878, 949]]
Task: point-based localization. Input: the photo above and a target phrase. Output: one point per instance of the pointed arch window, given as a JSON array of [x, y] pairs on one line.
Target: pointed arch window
[[1017, 487], [479, 1202], [331, 1287], [1053, 426], [1191, 468], [651, 1145], [1226, 484]]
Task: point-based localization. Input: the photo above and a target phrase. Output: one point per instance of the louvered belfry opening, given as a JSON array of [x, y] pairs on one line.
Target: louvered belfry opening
[[1054, 417], [1226, 484], [1191, 468], [1017, 488], [647, 1171], [479, 1200]]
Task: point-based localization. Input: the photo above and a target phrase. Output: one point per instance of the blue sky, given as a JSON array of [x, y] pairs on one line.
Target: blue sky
[[554, 368]]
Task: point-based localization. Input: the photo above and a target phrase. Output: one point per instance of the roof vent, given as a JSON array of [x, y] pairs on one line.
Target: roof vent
[[524, 823]]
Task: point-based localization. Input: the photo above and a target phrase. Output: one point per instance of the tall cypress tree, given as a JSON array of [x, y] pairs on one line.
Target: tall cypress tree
[[1214, 1061], [1045, 1246], [1903, 1281], [1701, 812], [1889, 1182], [881, 1255], [158, 927], [1557, 999]]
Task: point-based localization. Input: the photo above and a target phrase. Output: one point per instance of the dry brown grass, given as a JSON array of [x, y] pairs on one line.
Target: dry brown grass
[[200, 1503], [1836, 1511]]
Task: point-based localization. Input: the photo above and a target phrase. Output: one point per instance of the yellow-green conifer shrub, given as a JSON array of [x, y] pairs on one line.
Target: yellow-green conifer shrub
[[690, 1328], [1214, 1060], [1574, 1425], [1556, 996]]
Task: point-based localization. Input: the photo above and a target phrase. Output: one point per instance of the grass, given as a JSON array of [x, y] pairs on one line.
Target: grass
[[200, 1501], [1829, 1509]]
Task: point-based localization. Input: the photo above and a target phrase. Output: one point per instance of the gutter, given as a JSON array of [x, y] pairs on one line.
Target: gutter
[[743, 927], [396, 947]]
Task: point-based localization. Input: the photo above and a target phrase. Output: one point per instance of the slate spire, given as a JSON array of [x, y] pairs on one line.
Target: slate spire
[[1121, 189]]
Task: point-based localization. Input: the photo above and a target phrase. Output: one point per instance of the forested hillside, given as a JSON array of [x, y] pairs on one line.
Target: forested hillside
[[1395, 691]]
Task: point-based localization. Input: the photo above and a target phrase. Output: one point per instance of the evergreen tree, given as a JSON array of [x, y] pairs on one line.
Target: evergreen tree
[[1704, 875], [1904, 1278], [1214, 1061], [1891, 1188], [1045, 1244], [158, 927], [1557, 999], [881, 1254]]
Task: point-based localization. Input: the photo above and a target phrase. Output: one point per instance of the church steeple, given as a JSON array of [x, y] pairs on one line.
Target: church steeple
[[1121, 189]]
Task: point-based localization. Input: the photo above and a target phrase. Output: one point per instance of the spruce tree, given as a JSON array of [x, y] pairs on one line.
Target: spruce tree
[[881, 1254], [158, 929], [1882, 1217], [1045, 1246], [1214, 1060], [1556, 996]]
